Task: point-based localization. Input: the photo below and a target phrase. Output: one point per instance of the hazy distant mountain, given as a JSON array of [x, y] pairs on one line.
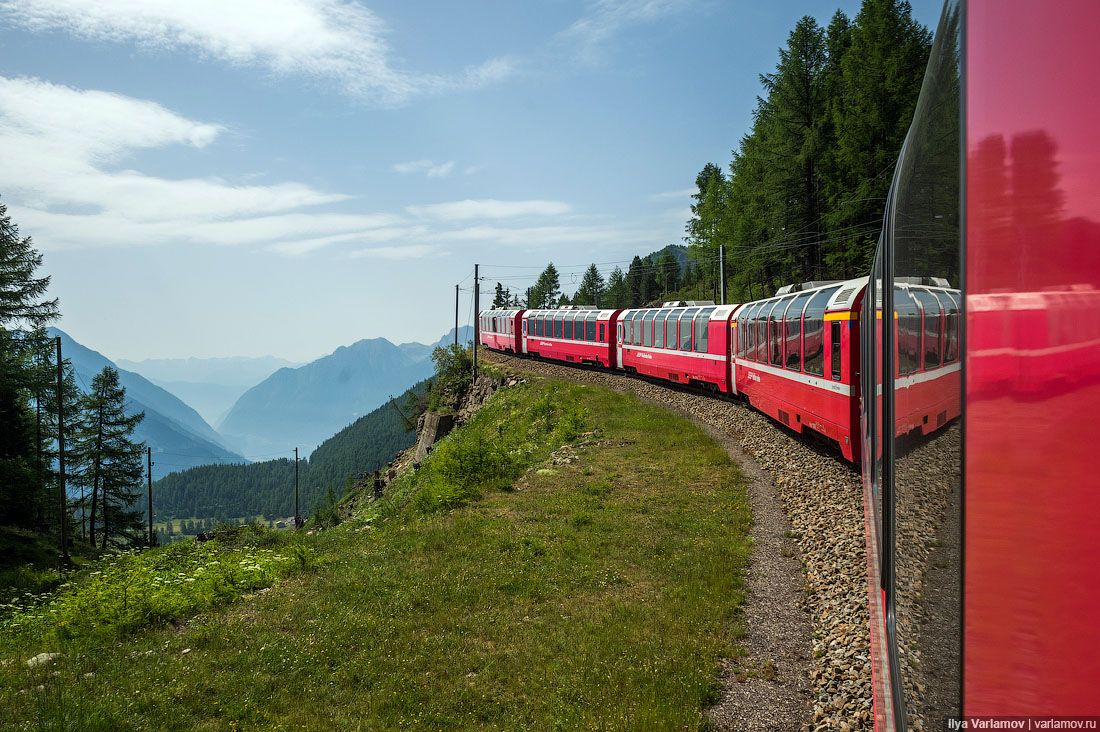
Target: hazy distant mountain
[[418, 351], [210, 385], [304, 406], [233, 371], [180, 438]]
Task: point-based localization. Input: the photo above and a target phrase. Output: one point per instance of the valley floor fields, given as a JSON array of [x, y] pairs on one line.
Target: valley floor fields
[[572, 559]]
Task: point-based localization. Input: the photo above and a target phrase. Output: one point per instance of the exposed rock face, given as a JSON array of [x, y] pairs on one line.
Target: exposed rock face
[[431, 428]]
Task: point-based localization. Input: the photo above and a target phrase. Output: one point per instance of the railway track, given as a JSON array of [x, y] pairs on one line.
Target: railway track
[[822, 499]]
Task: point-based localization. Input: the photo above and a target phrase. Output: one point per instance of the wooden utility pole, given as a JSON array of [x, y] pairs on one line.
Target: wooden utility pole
[[61, 451], [456, 316], [149, 471], [477, 318], [297, 514]]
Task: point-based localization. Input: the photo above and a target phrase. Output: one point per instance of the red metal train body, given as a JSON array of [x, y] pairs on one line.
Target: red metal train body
[[982, 502]]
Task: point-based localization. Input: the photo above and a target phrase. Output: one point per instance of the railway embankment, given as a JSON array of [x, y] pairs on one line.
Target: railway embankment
[[821, 500]]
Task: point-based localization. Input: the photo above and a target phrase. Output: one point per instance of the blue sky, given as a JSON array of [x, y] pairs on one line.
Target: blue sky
[[251, 177]]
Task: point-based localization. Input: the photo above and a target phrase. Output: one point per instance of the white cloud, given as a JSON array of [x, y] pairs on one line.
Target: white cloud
[[488, 209], [61, 149], [413, 251], [428, 167], [413, 166], [590, 34], [334, 39], [685, 193], [441, 171]]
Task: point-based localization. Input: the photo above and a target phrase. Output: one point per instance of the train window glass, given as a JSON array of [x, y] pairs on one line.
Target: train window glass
[[568, 327], [647, 328], [834, 340], [538, 327], [762, 332], [685, 329], [558, 328], [603, 338], [813, 332], [908, 331], [672, 334], [775, 330], [750, 332], [636, 324], [702, 321], [659, 329], [793, 345], [933, 326], [950, 329], [590, 327]]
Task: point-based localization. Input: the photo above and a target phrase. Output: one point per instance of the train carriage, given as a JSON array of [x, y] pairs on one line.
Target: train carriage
[[679, 343], [796, 358], [500, 329], [570, 334]]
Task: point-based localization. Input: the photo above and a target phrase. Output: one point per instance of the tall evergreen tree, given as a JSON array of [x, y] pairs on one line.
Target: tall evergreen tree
[[547, 289], [616, 296], [23, 499], [591, 290], [114, 459], [668, 272], [881, 73], [502, 298], [635, 284]]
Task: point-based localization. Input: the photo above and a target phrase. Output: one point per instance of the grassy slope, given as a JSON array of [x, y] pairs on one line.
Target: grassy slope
[[597, 594]]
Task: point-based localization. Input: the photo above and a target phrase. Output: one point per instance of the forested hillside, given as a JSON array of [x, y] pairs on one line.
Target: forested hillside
[[803, 196], [267, 488]]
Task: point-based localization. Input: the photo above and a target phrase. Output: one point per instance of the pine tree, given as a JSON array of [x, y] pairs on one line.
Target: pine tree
[[616, 296], [23, 496], [114, 459], [502, 298], [668, 272], [591, 290], [547, 289]]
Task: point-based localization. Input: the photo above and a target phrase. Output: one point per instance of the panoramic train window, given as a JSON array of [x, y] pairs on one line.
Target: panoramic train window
[[671, 337], [813, 332], [567, 331], [685, 328], [659, 329], [762, 331], [558, 328], [950, 328], [636, 326], [701, 328], [908, 331], [933, 322], [923, 492], [746, 332], [590, 327], [775, 330], [538, 327], [647, 328], [793, 346]]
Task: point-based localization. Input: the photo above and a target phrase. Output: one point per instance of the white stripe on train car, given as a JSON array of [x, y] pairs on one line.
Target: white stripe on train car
[[833, 386]]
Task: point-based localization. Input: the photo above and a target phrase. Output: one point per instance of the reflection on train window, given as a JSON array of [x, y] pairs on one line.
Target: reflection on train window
[[793, 347], [659, 329], [647, 328], [933, 322], [701, 328], [568, 329], [671, 336], [590, 327], [908, 331], [813, 332], [685, 329], [834, 340]]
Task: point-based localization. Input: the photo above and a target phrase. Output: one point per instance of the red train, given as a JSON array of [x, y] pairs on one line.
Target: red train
[[982, 501]]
